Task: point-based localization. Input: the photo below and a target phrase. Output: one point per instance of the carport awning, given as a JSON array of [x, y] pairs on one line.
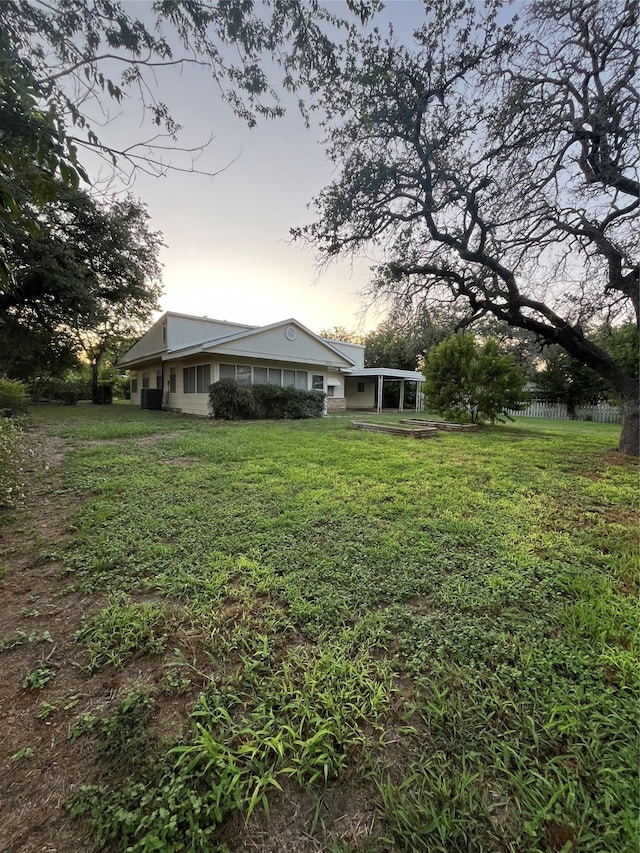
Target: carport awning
[[382, 373]]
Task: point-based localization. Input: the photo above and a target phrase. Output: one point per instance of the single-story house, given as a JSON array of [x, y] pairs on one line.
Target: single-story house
[[182, 356]]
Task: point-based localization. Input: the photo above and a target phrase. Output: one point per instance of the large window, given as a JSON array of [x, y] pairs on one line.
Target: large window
[[172, 380], [317, 382], [245, 374], [203, 378], [196, 380], [134, 383], [189, 380]]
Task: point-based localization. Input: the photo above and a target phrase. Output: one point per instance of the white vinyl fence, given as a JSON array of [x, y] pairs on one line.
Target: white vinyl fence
[[603, 413]]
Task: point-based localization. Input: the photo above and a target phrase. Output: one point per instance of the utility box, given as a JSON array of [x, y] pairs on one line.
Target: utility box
[[151, 398]]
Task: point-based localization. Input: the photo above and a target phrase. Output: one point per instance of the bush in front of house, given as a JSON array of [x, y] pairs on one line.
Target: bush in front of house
[[229, 401], [13, 397], [66, 391]]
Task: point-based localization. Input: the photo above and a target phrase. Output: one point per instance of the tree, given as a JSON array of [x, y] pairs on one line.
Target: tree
[[89, 276], [565, 380], [64, 65], [467, 380], [497, 162], [341, 333]]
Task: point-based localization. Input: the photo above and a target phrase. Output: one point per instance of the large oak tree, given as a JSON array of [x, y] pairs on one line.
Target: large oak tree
[[497, 160]]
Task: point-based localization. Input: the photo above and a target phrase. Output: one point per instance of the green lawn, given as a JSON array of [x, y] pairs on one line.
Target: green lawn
[[445, 630]]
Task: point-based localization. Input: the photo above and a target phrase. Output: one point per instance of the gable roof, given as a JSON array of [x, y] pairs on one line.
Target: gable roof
[[287, 340], [271, 342]]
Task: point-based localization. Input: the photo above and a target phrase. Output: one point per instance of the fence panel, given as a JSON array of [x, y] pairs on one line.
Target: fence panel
[[603, 413]]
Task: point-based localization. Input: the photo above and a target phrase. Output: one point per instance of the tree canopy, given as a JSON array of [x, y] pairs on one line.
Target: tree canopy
[[496, 160], [468, 380], [88, 276]]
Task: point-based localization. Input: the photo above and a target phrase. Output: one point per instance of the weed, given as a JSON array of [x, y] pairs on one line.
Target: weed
[[122, 631], [22, 638], [38, 677], [22, 754]]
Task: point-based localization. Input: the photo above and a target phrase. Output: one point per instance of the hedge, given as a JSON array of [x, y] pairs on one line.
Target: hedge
[[229, 401]]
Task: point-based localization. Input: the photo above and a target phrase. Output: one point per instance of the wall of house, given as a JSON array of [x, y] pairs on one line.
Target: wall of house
[[360, 399], [183, 331], [198, 403], [148, 377]]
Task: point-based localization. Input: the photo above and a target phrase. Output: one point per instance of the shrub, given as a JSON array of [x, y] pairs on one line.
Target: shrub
[[67, 391], [230, 401], [303, 404], [13, 398]]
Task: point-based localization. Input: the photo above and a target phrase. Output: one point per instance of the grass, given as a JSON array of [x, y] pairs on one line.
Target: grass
[[449, 626]]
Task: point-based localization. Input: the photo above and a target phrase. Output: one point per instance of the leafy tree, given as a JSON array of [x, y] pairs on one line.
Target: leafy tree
[[63, 64], [464, 380], [497, 162], [341, 333], [87, 278], [566, 380]]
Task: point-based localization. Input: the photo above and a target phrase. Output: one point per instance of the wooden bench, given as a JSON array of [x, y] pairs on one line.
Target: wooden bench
[[440, 425], [392, 429]]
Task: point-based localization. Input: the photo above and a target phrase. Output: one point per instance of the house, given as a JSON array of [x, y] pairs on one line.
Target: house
[[182, 356]]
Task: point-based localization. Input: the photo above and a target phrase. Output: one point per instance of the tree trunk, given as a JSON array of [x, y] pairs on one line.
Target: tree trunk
[[630, 434]]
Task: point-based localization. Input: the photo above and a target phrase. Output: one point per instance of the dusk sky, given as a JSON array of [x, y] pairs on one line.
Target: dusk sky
[[229, 253]]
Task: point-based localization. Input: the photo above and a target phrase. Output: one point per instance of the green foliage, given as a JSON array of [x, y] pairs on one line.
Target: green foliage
[[311, 714], [230, 401], [122, 631], [22, 638], [67, 391], [13, 398], [15, 452], [38, 677], [466, 381], [91, 269]]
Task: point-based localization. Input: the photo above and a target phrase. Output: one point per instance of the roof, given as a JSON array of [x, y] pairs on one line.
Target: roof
[[386, 373]]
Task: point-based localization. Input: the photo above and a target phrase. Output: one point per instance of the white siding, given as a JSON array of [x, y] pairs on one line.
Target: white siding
[[185, 331], [361, 399], [353, 351], [190, 404], [272, 344]]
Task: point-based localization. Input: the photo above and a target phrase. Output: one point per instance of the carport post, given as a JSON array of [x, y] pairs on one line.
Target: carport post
[[380, 381]]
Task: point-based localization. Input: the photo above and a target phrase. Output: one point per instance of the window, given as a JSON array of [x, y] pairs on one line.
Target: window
[[331, 390], [189, 380], [243, 374], [288, 377], [145, 380], [227, 371], [196, 380], [203, 378], [317, 382], [134, 383], [159, 379], [172, 380], [275, 376], [260, 375], [301, 380], [360, 387]]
